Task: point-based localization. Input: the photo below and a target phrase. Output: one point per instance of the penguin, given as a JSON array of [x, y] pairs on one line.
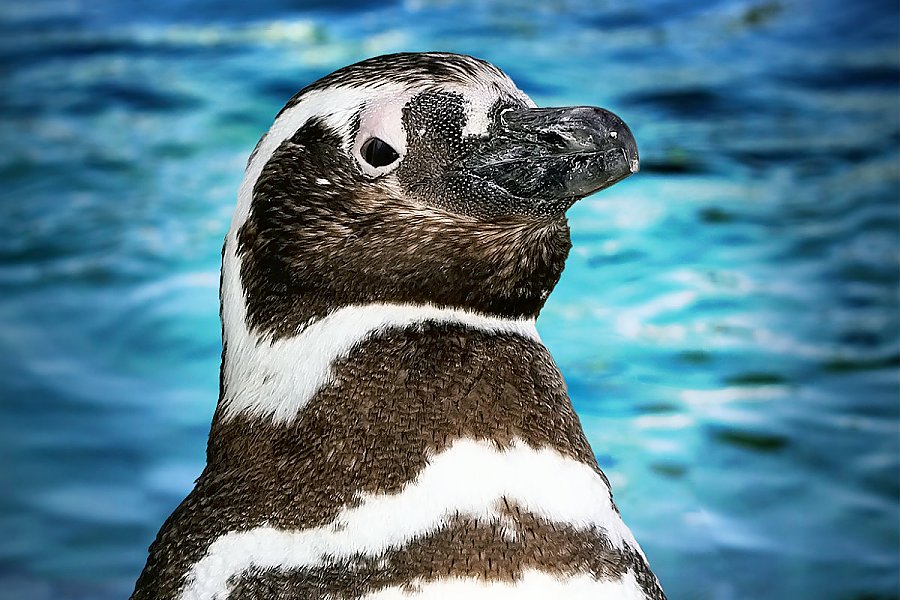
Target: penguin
[[389, 423]]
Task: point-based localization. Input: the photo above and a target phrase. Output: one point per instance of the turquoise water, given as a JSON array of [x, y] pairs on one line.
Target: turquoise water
[[727, 323]]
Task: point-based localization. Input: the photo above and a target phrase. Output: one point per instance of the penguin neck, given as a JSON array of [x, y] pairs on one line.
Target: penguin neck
[[400, 382], [275, 378], [295, 273]]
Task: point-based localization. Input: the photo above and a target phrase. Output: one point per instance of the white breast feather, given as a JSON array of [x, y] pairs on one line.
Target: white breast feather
[[470, 478]]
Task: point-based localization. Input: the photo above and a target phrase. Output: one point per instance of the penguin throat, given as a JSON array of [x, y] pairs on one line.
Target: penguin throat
[[305, 271], [275, 379]]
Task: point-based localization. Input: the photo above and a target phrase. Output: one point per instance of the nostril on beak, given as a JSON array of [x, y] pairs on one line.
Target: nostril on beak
[[555, 140]]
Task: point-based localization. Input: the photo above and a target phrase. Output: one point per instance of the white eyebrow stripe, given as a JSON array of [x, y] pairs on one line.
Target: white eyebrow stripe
[[336, 105]]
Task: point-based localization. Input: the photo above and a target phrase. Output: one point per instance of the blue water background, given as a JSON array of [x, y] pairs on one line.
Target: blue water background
[[727, 323]]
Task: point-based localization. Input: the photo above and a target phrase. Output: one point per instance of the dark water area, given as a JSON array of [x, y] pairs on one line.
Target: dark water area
[[727, 323]]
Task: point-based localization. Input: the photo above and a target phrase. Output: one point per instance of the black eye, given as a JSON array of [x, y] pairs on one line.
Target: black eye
[[378, 153]]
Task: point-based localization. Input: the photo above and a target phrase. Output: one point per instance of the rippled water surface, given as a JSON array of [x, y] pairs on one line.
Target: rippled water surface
[[727, 323]]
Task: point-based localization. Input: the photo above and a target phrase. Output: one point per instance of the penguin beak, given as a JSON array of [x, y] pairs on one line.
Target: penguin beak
[[552, 157]]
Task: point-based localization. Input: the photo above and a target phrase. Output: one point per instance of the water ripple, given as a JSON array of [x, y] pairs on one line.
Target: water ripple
[[727, 323]]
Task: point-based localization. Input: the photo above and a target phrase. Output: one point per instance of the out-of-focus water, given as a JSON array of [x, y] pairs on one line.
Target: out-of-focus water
[[727, 323]]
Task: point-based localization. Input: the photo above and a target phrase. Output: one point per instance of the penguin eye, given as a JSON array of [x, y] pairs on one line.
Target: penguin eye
[[378, 153]]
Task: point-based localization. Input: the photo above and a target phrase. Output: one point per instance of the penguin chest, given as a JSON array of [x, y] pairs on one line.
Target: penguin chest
[[479, 520]]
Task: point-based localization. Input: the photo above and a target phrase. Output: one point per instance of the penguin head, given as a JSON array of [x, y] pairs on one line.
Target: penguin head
[[414, 179]]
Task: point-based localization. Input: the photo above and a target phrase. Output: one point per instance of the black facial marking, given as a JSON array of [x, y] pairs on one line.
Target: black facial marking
[[308, 249], [435, 169], [481, 176]]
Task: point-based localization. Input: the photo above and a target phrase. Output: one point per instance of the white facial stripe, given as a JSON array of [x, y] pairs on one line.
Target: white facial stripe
[[245, 360], [478, 107], [533, 585], [479, 104], [469, 479], [336, 105], [275, 380]]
